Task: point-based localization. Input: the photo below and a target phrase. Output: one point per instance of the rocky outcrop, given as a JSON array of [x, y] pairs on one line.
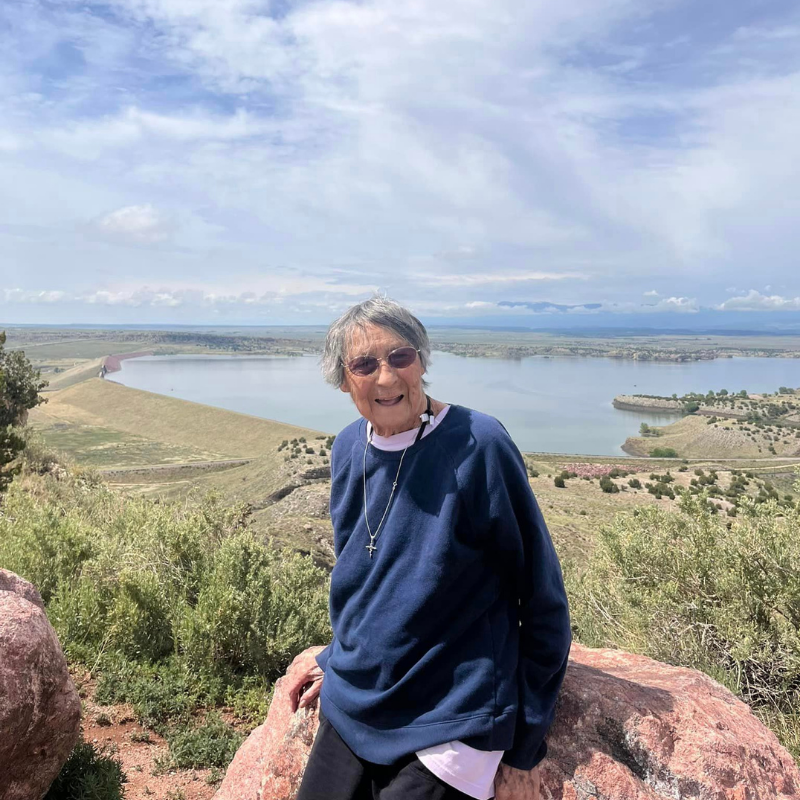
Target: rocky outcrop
[[627, 728], [637, 402], [630, 727], [39, 707], [270, 763]]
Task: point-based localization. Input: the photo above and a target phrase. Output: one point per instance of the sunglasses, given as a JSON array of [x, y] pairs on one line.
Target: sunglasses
[[398, 359]]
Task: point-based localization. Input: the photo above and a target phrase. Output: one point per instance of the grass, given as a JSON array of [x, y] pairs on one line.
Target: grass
[[98, 446], [106, 404], [72, 375], [212, 743], [694, 437], [77, 348]]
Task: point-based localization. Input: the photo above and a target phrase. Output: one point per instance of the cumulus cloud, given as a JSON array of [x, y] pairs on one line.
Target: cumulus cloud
[[136, 225], [755, 301], [683, 305]]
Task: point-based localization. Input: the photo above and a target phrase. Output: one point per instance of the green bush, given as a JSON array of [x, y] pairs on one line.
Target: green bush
[[685, 588], [88, 775], [664, 452], [210, 744], [559, 482], [608, 486], [174, 606]]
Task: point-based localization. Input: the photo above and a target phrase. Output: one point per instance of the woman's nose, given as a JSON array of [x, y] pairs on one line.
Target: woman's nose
[[386, 373]]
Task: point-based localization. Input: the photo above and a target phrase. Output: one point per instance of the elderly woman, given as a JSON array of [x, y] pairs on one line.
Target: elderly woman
[[450, 622]]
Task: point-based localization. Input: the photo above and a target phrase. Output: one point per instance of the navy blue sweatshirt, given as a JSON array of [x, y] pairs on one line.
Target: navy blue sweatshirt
[[457, 627]]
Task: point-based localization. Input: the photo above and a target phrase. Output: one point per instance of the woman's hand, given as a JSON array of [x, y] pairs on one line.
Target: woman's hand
[[304, 678], [516, 784]]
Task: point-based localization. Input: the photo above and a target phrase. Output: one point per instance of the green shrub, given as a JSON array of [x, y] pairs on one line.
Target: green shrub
[[685, 588], [559, 482], [608, 486], [159, 693], [210, 744], [256, 609], [663, 452], [173, 606], [88, 775]]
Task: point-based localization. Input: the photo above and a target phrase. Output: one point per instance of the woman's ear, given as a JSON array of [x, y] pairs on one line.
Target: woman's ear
[[345, 387]]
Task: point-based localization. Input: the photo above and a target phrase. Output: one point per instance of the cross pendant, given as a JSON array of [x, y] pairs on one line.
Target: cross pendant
[[371, 547]]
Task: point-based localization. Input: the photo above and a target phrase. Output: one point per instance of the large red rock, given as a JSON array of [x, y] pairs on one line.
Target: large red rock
[[630, 728], [271, 761], [39, 707], [627, 728]]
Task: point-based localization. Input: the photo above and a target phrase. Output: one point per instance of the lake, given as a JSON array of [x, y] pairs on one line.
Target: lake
[[555, 405]]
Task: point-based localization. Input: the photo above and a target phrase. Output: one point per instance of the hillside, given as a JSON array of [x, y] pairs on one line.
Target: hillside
[[726, 426], [72, 375], [110, 405]]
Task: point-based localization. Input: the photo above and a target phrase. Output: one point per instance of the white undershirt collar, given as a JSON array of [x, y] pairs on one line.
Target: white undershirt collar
[[399, 441]]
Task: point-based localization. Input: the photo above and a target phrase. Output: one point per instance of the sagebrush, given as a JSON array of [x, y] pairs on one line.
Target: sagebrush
[[702, 590], [175, 607]]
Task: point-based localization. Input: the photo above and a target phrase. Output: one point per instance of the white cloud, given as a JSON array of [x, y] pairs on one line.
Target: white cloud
[[755, 301], [483, 279], [519, 144], [136, 225], [20, 296], [684, 305]]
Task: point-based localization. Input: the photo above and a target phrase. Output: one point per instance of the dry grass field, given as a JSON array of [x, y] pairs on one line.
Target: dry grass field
[[700, 437], [105, 404], [70, 375]]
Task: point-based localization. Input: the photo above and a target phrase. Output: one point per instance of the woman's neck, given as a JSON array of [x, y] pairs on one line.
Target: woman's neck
[[436, 407]]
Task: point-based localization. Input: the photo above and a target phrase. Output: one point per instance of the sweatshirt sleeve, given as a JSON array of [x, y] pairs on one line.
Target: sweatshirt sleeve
[[323, 656], [518, 530]]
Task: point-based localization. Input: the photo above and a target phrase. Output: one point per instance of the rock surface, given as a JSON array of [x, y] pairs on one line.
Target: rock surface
[[39, 707], [627, 728], [271, 761]]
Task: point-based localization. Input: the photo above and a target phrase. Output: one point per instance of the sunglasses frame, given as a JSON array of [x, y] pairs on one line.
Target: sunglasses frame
[[379, 359]]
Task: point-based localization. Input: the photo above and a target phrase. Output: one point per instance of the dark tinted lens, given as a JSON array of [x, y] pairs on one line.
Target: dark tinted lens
[[363, 365], [402, 357]]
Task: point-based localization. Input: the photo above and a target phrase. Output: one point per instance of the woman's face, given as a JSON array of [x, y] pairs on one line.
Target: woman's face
[[391, 399]]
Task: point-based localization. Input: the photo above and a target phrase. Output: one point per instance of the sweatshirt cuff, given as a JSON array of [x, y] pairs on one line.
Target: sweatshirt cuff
[[522, 758]]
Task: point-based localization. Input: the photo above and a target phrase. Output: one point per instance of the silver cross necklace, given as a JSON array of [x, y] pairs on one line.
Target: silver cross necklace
[[371, 547]]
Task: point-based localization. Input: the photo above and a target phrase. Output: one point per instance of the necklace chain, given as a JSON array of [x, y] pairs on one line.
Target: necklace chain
[[373, 536], [371, 547]]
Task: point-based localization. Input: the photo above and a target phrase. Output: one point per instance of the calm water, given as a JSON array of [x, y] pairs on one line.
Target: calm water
[[558, 405]]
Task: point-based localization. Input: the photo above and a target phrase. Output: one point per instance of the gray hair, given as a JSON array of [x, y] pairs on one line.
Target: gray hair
[[380, 311]]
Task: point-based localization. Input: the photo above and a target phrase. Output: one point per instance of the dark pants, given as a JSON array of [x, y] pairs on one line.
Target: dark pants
[[335, 772]]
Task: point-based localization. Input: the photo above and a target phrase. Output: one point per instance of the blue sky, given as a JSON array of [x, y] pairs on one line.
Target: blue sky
[[272, 161]]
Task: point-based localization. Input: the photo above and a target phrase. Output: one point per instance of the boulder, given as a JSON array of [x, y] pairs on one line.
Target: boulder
[[630, 728], [39, 707], [626, 728], [271, 761]]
